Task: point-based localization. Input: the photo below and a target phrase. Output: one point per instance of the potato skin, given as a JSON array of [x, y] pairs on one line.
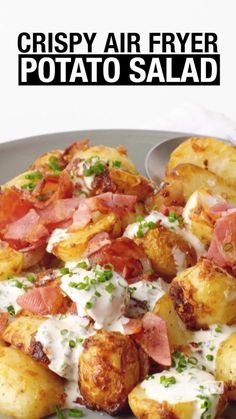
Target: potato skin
[[209, 153], [158, 245], [27, 389], [204, 295], [226, 365], [177, 331], [72, 248], [108, 370], [11, 262]]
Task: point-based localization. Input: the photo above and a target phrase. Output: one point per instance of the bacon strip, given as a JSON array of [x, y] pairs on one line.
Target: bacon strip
[[42, 301]]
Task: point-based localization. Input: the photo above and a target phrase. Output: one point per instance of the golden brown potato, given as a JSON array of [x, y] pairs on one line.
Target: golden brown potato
[[108, 153], [20, 332], [131, 184], [72, 247], [161, 404], [160, 246], [42, 161], [177, 331], [204, 295], [28, 390], [11, 261], [209, 153], [197, 214], [183, 180], [108, 371], [191, 177], [226, 364]]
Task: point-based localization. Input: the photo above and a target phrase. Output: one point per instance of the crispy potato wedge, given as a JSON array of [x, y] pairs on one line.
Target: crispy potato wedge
[[72, 248], [108, 370], [28, 390], [108, 153], [11, 262], [204, 295], [209, 153], [226, 364], [160, 245], [177, 331]]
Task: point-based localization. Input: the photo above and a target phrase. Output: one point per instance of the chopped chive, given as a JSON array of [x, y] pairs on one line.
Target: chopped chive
[[109, 288], [30, 278], [88, 305], [116, 163], [72, 343], [209, 357], [34, 176], [29, 186], [218, 329], [59, 412], [18, 284], [64, 332], [167, 381], [53, 165], [64, 271], [79, 340], [11, 310], [76, 413], [82, 265]]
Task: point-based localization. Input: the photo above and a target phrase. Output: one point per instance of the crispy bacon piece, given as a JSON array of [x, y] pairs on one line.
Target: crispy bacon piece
[[222, 249], [153, 339], [97, 243], [124, 254], [43, 301], [27, 229], [12, 206], [70, 151], [52, 188]]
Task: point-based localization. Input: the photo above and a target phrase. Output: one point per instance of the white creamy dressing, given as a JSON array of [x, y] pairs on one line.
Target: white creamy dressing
[[62, 338], [209, 342], [155, 216], [148, 291], [10, 290], [190, 384], [86, 182], [180, 259], [55, 335], [104, 302], [57, 236]]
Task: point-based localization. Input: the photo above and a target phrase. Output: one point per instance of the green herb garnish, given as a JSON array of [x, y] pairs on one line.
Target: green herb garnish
[[53, 165], [11, 310], [76, 413], [167, 381]]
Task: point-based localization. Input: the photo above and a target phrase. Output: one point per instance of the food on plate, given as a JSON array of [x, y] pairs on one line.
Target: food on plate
[[203, 295], [208, 153], [114, 294], [28, 390]]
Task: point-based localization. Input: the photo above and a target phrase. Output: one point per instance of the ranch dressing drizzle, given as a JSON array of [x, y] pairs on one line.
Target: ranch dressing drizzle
[[78, 177], [208, 343], [99, 293], [148, 291], [155, 216], [10, 290], [57, 236], [179, 258], [187, 387]]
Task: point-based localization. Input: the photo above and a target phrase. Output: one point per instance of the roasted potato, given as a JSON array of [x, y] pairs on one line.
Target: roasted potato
[[11, 261], [131, 184], [191, 177], [204, 295], [108, 154], [161, 246], [41, 163], [108, 370], [74, 244], [19, 333], [177, 331], [168, 195], [197, 214], [209, 153], [153, 399], [27, 389], [226, 364]]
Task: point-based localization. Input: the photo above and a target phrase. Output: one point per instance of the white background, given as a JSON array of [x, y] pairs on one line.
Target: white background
[[28, 111]]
